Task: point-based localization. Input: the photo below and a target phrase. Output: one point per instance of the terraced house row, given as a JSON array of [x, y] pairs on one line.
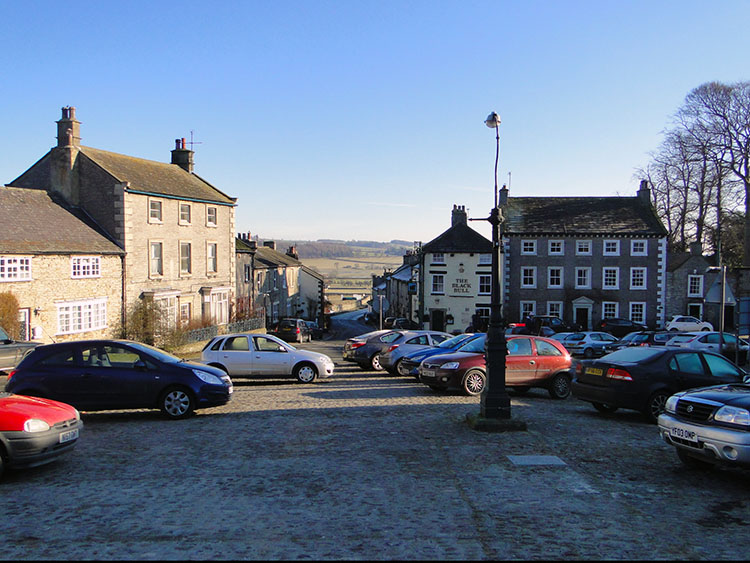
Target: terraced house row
[[85, 233]]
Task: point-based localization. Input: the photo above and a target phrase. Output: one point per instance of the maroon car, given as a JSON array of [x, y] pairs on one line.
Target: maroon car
[[532, 361]]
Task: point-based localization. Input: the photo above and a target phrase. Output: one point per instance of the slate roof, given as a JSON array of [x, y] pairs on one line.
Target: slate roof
[[459, 238], [273, 258], [589, 216], [35, 222], [154, 177]]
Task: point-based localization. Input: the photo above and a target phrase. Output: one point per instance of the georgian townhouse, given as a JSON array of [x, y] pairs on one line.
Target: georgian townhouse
[[64, 273], [454, 272], [584, 258], [176, 229]]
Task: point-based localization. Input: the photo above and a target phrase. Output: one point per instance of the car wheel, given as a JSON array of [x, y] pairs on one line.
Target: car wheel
[[588, 353], [655, 405], [375, 362], [177, 402], [604, 408], [305, 373], [692, 462], [559, 387], [473, 383], [705, 329], [519, 389], [672, 330]]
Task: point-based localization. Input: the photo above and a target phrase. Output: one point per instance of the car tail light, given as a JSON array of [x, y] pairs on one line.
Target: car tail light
[[357, 345], [11, 374], [579, 368], [617, 373], [392, 348]]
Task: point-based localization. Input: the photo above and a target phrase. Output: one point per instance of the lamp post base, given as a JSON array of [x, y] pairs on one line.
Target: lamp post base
[[483, 424]]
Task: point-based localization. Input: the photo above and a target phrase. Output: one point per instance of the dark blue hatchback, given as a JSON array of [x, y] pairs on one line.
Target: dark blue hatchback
[[119, 374]]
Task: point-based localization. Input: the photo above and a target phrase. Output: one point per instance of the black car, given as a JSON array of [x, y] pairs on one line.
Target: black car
[[619, 327], [643, 378], [316, 333], [536, 324], [641, 338], [119, 374], [709, 426]]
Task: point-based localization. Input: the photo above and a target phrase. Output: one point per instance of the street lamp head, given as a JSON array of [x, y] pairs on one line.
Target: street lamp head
[[492, 121]]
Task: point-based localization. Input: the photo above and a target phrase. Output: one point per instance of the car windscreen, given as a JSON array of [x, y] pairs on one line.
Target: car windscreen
[[681, 339], [288, 324], [474, 346], [154, 352], [455, 341]]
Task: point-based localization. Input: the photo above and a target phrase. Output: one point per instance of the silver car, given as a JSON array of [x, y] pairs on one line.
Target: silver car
[[588, 344], [726, 344], [413, 341], [249, 355]]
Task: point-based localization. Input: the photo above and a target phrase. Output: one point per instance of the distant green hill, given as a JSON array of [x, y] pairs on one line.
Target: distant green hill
[[329, 248]]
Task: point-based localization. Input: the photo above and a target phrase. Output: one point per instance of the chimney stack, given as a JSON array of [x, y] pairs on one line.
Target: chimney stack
[[181, 156], [458, 215], [270, 244], [68, 128], [292, 251], [644, 193]]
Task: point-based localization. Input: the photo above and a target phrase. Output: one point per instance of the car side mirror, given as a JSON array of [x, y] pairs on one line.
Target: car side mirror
[[140, 365], [746, 378]]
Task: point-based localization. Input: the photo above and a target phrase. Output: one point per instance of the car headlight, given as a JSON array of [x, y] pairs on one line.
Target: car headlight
[[208, 377], [35, 425], [325, 360], [733, 415], [450, 365], [671, 405]]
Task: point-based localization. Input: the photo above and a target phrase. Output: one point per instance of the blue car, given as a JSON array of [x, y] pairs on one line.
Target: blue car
[[96, 375], [409, 364]]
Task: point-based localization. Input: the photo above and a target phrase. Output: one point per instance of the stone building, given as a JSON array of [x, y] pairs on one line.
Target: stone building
[[583, 259], [176, 229], [65, 274]]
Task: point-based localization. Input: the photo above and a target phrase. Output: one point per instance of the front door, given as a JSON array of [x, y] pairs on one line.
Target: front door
[[581, 317], [437, 319]]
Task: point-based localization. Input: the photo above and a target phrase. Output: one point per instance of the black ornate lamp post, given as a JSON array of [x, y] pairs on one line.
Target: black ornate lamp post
[[494, 414]]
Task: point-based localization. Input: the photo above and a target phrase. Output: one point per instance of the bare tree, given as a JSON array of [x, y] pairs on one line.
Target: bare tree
[[719, 115]]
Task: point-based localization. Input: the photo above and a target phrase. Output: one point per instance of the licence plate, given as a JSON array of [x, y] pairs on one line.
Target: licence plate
[[69, 435], [428, 373], [594, 371], [683, 434]]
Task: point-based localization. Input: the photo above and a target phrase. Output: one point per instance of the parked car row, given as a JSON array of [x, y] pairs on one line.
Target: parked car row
[[39, 411]]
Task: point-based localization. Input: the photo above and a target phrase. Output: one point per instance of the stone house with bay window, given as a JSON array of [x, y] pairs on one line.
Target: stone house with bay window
[[64, 273], [584, 258], [175, 229]]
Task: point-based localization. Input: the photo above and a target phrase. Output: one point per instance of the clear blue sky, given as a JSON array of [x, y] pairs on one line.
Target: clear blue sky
[[356, 119]]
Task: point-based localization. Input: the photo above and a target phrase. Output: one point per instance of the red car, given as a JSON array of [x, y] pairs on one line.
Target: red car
[[532, 361], [35, 431]]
